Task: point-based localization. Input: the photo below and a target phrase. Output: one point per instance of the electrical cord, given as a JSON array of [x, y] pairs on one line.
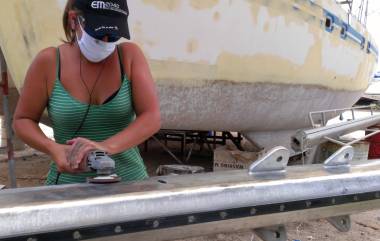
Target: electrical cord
[[89, 103]]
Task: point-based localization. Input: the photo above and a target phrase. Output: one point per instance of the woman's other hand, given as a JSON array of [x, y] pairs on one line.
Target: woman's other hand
[[60, 154], [79, 150]]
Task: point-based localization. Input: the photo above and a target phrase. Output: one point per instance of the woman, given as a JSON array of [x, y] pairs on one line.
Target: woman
[[92, 90]]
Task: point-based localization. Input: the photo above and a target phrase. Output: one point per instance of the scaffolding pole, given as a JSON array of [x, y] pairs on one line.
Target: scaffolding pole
[[8, 120]]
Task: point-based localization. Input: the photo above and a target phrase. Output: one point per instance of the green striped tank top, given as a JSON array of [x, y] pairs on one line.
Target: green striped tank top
[[102, 122]]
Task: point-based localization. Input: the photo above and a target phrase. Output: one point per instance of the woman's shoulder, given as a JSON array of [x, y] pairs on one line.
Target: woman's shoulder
[[129, 45], [46, 57], [44, 65], [49, 54], [130, 49]]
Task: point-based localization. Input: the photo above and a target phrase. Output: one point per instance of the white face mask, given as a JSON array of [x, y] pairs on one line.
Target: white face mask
[[93, 49]]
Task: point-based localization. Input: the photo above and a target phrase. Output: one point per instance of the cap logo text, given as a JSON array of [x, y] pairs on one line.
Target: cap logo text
[[107, 6]]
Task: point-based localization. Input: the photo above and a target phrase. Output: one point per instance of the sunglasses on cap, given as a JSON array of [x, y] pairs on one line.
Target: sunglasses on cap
[[111, 37]]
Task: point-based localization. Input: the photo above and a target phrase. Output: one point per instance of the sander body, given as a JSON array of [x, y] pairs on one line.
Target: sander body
[[104, 166]]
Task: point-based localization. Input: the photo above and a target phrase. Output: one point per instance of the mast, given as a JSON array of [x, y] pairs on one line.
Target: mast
[[359, 9]]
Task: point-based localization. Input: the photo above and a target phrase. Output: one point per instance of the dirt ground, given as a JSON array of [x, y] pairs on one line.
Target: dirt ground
[[32, 167]]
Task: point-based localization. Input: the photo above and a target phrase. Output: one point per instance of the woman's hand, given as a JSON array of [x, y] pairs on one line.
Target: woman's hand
[[60, 154], [80, 148]]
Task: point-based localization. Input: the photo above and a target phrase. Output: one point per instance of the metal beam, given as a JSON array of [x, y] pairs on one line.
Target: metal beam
[[164, 208], [313, 137]]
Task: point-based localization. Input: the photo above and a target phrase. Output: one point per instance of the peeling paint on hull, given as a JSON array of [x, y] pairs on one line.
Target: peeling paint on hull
[[252, 65]]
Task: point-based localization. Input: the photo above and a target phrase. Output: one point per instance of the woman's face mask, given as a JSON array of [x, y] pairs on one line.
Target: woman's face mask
[[93, 49]]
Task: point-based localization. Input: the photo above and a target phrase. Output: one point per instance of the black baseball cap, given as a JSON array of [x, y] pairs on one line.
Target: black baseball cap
[[105, 17]]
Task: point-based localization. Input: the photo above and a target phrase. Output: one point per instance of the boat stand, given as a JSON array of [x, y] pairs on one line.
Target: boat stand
[[307, 141], [193, 137]]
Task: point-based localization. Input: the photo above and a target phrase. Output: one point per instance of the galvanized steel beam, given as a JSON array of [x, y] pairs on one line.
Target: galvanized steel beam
[[185, 206]]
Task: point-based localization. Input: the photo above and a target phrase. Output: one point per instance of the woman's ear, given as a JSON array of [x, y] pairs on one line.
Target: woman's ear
[[72, 19], [72, 24]]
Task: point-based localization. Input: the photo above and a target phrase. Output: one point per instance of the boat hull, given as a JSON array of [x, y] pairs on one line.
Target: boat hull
[[244, 65], [229, 106]]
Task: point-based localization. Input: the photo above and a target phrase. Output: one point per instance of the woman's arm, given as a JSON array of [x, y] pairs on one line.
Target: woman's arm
[[146, 105], [32, 103], [145, 100]]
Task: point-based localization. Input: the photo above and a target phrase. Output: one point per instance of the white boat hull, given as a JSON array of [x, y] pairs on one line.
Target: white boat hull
[[242, 65]]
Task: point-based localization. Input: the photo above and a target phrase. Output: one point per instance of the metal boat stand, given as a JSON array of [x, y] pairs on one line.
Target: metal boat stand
[[307, 141], [193, 138], [275, 233], [273, 165]]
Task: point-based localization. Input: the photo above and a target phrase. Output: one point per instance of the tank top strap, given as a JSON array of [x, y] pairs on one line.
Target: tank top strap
[[58, 65], [120, 54]]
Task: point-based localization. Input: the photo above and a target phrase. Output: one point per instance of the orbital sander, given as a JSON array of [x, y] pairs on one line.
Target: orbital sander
[[104, 166]]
